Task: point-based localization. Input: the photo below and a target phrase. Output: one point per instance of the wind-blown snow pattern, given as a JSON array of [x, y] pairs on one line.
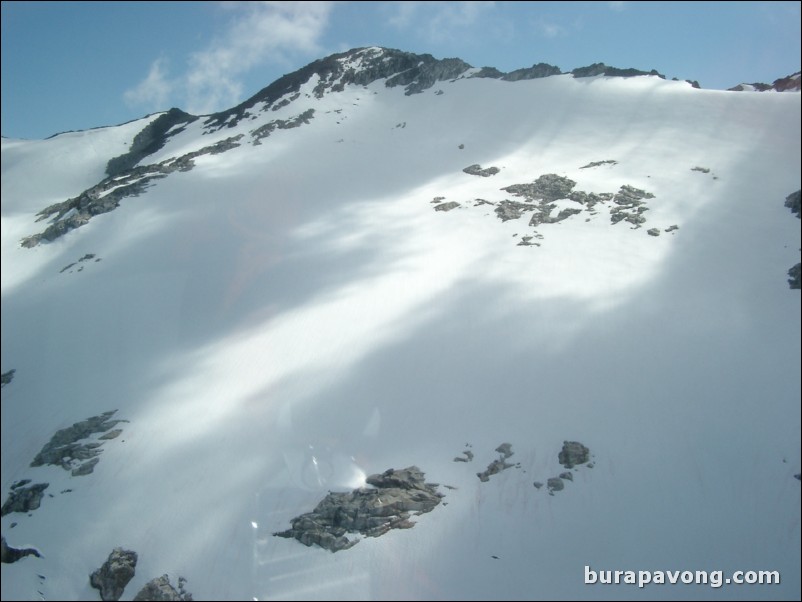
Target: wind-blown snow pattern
[[282, 319]]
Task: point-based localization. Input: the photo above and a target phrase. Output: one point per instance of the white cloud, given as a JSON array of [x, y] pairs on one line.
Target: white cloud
[[260, 32], [438, 21], [616, 5], [154, 90], [549, 29]]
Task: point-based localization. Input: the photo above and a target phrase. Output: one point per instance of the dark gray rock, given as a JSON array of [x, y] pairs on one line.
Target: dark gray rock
[[446, 206], [507, 210], [537, 484], [672, 228], [476, 170], [598, 163], [10, 554], [65, 448], [794, 276], [111, 435], [798, 476], [371, 512], [281, 124], [149, 140], [107, 194], [567, 476], [653, 231], [555, 484], [496, 466], [23, 498], [114, 575], [792, 201], [630, 206], [85, 468], [573, 453], [160, 589], [602, 69], [701, 169], [468, 456], [548, 187], [7, 377]]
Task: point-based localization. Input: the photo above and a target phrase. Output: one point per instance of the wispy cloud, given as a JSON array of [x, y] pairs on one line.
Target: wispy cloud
[[260, 32], [438, 21], [154, 90], [550, 29]]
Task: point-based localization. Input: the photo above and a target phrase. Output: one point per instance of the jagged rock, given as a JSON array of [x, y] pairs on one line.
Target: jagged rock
[[701, 169], [567, 476], [536, 71], [598, 163], [792, 201], [476, 170], [371, 512], [9, 554], [114, 575], [653, 231], [798, 476], [107, 194], [555, 484], [630, 205], [794, 273], [548, 187], [507, 210], [160, 589], [7, 377], [496, 466], [446, 206], [64, 448], [24, 499], [468, 456], [526, 241], [505, 449], [111, 435], [573, 453], [672, 228], [149, 140], [437, 199], [281, 124], [537, 484], [602, 69], [85, 468]]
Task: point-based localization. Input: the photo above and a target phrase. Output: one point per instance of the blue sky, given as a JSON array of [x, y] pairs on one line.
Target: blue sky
[[76, 65]]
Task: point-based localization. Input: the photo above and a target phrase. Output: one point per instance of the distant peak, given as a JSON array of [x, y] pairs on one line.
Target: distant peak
[[790, 83]]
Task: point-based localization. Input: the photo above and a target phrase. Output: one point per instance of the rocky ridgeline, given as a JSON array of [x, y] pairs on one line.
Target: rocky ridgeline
[[371, 512], [281, 124], [70, 449], [118, 570], [107, 194]]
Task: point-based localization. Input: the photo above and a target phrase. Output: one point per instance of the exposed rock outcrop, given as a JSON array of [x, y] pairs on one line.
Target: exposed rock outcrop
[[114, 575], [23, 497], [573, 453], [371, 512], [160, 589], [10, 554], [792, 201], [446, 206], [476, 170], [7, 377], [499, 464], [67, 450]]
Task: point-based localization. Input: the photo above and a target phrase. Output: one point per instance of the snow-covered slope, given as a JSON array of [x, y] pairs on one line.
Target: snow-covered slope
[[283, 317]]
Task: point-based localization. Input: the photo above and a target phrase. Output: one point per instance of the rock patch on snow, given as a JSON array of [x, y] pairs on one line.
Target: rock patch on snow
[[476, 170], [111, 578], [9, 554], [369, 511], [24, 497]]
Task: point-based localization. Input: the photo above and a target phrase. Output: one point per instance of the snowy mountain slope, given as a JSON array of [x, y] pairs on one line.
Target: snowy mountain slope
[[284, 318]]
